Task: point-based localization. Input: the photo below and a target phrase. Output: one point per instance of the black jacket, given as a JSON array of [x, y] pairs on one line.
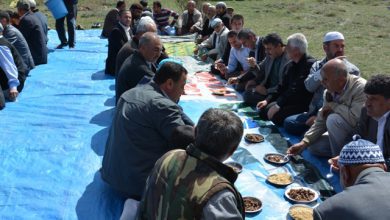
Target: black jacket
[[33, 32], [132, 71], [292, 90], [115, 42]]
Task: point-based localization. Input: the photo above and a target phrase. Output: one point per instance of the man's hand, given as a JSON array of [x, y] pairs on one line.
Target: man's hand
[[272, 111], [232, 80], [261, 90], [251, 61], [261, 104], [196, 50], [326, 111], [334, 162], [297, 148], [310, 121], [204, 57], [13, 93]]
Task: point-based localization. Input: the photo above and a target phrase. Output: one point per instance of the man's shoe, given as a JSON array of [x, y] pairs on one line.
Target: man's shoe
[[62, 45], [71, 46]]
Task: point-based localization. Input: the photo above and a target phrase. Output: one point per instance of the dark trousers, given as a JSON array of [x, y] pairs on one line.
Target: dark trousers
[[70, 22], [2, 99], [296, 124], [283, 113], [252, 97]]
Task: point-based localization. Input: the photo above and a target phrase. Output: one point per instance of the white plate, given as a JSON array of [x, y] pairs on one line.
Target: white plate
[[253, 198], [301, 201], [297, 205]]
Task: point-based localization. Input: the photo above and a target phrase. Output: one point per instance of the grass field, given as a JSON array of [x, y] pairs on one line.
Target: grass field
[[365, 23]]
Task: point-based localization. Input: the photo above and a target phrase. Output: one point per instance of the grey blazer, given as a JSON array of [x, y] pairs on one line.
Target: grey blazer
[[367, 199], [17, 39]]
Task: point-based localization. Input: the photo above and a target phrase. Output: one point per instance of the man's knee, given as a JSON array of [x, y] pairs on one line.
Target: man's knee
[[334, 121]]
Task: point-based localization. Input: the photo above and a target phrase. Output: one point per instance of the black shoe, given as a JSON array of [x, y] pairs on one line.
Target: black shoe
[[71, 46], [62, 45]]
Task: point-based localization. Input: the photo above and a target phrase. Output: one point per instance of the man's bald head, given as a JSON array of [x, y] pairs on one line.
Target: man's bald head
[[150, 46], [334, 75]]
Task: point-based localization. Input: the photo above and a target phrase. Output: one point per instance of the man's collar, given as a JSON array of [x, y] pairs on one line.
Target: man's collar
[[383, 117], [367, 171], [123, 26]]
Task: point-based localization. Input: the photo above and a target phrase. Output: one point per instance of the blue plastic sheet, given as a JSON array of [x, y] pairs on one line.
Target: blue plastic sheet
[[52, 141]]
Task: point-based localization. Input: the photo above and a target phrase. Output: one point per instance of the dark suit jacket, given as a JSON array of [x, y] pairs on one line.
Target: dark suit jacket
[[115, 42], [368, 129], [132, 71], [32, 31], [367, 199]]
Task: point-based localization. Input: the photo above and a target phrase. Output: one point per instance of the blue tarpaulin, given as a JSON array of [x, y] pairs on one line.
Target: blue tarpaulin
[[52, 141]]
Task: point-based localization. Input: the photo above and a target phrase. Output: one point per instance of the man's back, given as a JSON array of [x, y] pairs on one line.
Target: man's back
[[133, 69], [367, 199], [139, 135], [32, 31], [17, 39]]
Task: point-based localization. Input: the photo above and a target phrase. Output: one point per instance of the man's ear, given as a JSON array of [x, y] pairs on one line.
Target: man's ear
[[347, 176], [170, 84]]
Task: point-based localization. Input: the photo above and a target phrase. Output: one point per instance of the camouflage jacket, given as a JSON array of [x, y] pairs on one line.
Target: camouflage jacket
[[181, 184]]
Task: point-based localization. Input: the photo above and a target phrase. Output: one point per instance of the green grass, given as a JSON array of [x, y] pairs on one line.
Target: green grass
[[364, 23]]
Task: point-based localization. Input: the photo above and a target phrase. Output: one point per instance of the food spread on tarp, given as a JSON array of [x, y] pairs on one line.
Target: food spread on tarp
[[53, 139]]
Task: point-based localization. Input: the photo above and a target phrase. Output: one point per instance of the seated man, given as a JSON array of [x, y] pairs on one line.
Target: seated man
[[207, 30], [237, 59], [256, 54], [189, 20], [222, 13], [12, 69], [139, 64], [111, 19], [181, 175], [339, 115], [333, 46], [41, 17], [13, 35], [136, 13], [374, 122], [291, 96], [118, 37], [215, 45], [268, 73], [236, 23], [161, 17], [146, 24], [32, 31], [147, 123], [366, 193]]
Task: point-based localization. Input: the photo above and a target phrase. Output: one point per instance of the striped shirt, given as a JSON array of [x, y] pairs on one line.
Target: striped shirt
[[162, 18]]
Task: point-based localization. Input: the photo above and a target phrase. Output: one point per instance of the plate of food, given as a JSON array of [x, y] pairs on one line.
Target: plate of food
[[301, 194], [276, 159], [280, 179], [252, 204], [300, 211], [237, 167], [220, 92], [254, 138]]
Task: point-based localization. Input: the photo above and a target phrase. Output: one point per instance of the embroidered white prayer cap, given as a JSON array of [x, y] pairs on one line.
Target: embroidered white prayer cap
[[360, 151], [333, 35]]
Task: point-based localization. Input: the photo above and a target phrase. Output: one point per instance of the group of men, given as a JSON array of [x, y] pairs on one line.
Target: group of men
[[151, 136], [23, 44]]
